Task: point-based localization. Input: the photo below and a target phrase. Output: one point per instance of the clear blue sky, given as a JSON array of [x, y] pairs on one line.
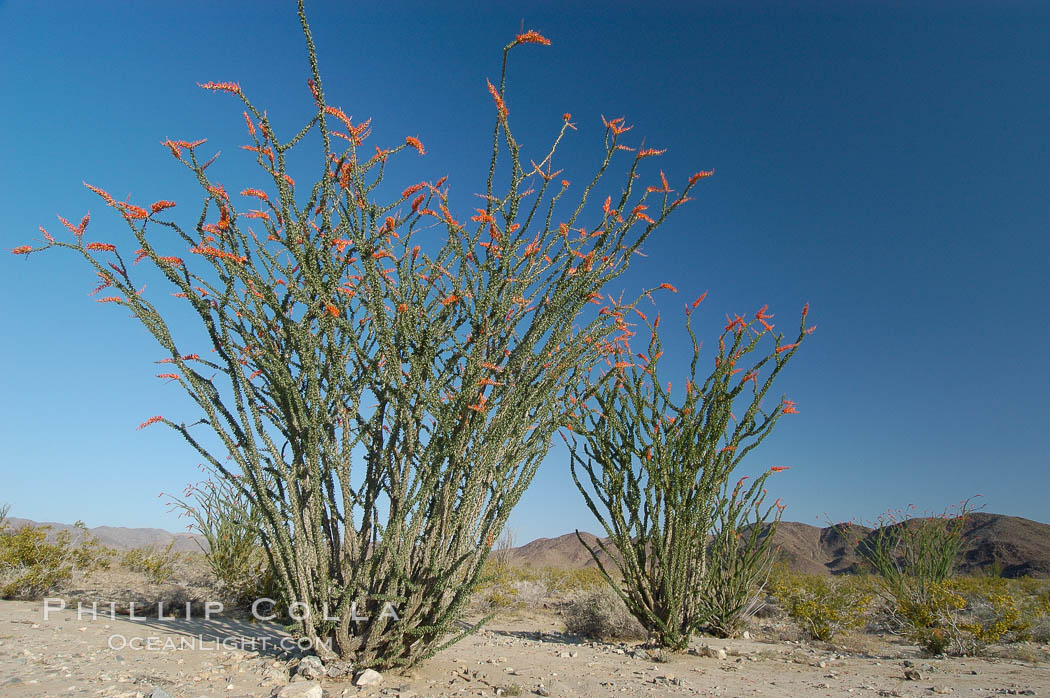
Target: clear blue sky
[[888, 164]]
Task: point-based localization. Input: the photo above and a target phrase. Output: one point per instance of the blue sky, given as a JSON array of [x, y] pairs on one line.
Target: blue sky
[[887, 164]]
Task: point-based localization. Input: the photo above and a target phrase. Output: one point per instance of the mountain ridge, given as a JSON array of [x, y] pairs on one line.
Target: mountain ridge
[[1012, 545]]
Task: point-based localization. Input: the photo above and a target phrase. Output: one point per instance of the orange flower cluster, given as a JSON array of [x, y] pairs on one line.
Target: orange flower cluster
[[617, 126], [257, 193], [532, 37], [176, 150], [415, 143], [219, 254], [221, 87], [77, 230], [151, 420], [649, 152], [501, 106]]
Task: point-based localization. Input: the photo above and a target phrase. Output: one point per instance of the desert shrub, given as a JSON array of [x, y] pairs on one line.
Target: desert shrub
[[87, 554], [497, 586], [914, 562], [964, 615], [499, 581], [558, 580], [692, 552], [601, 614], [32, 566], [910, 553], [380, 379], [823, 606], [230, 525], [739, 559], [158, 565], [1037, 608], [509, 586]]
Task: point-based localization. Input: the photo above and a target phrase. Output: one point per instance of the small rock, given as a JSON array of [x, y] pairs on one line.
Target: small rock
[[368, 677], [942, 689], [160, 693], [639, 654], [337, 670], [275, 674], [302, 689], [712, 652], [746, 635], [311, 667], [912, 675]]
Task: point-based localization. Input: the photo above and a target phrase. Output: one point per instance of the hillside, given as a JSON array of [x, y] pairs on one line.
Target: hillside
[[123, 538], [1015, 546]]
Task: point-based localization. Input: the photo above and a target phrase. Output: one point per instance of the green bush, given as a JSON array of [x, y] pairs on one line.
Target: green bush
[[601, 614], [823, 606], [964, 615], [157, 565], [234, 549], [88, 554], [31, 566], [914, 559]]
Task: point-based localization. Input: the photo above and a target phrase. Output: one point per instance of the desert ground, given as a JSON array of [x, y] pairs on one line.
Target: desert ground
[[525, 648], [524, 652]]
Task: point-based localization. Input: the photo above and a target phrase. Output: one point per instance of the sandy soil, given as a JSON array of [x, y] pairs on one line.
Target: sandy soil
[[64, 656]]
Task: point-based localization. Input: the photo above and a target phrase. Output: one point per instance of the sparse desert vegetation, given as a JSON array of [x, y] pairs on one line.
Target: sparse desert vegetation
[[560, 628]]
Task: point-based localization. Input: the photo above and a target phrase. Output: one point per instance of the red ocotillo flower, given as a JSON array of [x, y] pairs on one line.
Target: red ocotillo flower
[[415, 143], [221, 87], [501, 106], [151, 420], [532, 37]]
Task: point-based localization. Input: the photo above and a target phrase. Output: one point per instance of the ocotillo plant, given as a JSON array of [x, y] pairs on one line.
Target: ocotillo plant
[[910, 553], [657, 472], [229, 524], [914, 559], [395, 373]]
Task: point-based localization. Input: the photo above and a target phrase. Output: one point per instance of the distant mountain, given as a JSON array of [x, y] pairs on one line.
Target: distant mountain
[[123, 538], [1014, 546]]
